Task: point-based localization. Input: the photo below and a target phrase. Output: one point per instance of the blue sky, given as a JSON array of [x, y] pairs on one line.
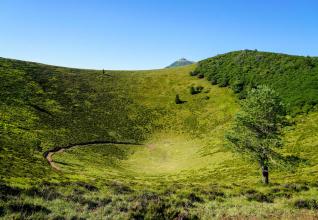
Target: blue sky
[[147, 34]]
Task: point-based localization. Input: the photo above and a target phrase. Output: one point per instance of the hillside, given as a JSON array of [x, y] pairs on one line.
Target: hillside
[[295, 78], [180, 62], [175, 164]]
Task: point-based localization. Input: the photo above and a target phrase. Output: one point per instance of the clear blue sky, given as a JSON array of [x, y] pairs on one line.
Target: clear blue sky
[[146, 34]]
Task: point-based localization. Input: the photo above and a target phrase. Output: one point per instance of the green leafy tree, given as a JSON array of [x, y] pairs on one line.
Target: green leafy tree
[[256, 133]]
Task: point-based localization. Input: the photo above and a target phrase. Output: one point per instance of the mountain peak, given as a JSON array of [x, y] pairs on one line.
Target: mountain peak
[[181, 62]]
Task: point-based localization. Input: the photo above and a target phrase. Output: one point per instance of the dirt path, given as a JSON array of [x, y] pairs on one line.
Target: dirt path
[[49, 154]]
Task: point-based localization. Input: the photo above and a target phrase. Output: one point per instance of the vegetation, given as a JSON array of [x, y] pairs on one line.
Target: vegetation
[[180, 62], [295, 78], [178, 100], [196, 90], [181, 170], [256, 132]]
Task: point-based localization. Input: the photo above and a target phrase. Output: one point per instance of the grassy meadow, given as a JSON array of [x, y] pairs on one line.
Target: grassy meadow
[[179, 168]]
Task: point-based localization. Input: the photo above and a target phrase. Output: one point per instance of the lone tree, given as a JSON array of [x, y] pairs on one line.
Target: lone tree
[[256, 132]]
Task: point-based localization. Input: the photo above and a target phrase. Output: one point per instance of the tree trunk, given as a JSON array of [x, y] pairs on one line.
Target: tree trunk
[[265, 174]]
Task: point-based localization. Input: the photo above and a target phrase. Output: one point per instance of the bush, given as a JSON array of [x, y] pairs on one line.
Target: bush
[[196, 90], [200, 76], [213, 195], [224, 82], [306, 204], [120, 188], [87, 186], [296, 187], [194, 198], [156, 210], [178, 100], [253, 195], [214, 81], [242, 95], [238, 86], [193, 73]]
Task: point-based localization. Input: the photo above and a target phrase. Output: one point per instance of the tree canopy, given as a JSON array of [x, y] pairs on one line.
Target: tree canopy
[[256, 132]]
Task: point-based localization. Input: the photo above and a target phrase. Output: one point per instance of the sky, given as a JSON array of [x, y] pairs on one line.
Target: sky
[[151, 34]]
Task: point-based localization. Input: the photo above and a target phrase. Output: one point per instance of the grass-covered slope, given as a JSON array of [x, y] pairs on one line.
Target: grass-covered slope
[[182, 169], [295, 78], [43, 107]]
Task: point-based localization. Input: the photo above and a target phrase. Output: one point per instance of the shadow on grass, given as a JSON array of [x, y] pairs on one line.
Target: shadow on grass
[[2, 211], [63, 163], [26, 209]]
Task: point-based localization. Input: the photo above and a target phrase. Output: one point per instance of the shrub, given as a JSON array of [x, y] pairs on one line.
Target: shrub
[[253, 195], [306, 204], [296, 187], [91, 205], [199, 88], [178, 100], [194, 198], [192, 90], [156, 210], [242, 95], [87, 186], [196, 90], [224, 82], [200, 76], [120, 188], [238, 86], [214, 81], [193, 73]]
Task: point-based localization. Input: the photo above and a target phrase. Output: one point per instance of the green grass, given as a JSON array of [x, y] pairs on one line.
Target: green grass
[[182, 169]]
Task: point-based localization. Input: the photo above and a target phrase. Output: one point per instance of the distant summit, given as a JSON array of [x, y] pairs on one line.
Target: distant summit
[[181, 62]]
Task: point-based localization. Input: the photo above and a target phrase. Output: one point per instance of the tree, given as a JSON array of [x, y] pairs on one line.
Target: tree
[[256, 133]]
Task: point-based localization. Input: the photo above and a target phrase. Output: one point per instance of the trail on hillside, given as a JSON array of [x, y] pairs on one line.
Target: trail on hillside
[[48, 155]]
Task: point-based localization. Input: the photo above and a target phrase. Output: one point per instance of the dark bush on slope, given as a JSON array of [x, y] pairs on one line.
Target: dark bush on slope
[[196, 90], [295, 78]]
